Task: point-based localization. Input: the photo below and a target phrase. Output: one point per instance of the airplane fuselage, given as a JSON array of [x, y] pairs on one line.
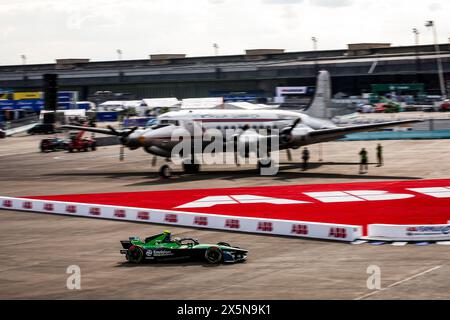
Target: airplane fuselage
[[199, 122]]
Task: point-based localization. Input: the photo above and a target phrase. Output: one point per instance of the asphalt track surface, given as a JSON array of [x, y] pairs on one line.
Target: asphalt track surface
[[36, 249]]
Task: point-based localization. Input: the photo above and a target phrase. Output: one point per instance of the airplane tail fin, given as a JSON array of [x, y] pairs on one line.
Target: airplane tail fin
[[319, 107]]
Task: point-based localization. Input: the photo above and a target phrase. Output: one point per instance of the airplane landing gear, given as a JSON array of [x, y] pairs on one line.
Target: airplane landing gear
[[265, 163], [165, 171], [191, 167]]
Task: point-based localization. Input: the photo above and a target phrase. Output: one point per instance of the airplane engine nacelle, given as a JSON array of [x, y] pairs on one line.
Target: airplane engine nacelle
[[296, 137], [157, 151], [257, 144]]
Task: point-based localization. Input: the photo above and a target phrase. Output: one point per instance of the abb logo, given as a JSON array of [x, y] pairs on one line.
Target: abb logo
[[300, 229], [7, 203], [27, 205], [340, 233], [70, 208], [120, 213], [201, 221], [95, 211], [265, 226], [324, 197], [49, 207], [232, 224], [143, 215], [170, 217]]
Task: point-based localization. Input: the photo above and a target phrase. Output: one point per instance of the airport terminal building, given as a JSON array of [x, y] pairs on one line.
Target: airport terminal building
[[257, 73]]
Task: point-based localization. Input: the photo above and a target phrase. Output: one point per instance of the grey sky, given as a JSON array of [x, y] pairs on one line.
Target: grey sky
[[44, 30]]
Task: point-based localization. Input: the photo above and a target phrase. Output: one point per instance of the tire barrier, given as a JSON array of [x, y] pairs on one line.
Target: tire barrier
[[338, 232]]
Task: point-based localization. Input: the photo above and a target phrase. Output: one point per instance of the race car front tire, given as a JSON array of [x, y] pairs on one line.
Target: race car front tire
[[135, 254], [213, 255]]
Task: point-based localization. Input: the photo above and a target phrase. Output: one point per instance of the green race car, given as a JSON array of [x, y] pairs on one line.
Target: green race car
[[162, 247]]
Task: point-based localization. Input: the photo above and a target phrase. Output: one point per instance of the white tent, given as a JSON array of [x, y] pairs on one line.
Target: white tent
[[136, 105], [202, 103], [161, 103], [111, 106]]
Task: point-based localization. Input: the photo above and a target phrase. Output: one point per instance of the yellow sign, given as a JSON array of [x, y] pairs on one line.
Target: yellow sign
[[27, 95]]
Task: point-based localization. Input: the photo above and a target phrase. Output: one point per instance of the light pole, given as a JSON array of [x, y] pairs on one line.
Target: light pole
[[416, 36], [432, 25], [24, 62], [216, 49], [119, 54], [314, 40]]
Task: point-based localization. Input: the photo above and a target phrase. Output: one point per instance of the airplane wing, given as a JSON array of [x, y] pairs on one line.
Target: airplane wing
[[92, 129], [336, 133]]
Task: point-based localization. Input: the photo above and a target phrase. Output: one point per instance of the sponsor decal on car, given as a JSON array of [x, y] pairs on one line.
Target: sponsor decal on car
[[428, 230], [70, 208], [265, 226], [49, 207], [301, 229], [159, 253], [143, 215], [340, 233], [201, 221], [232, 224], [120, 213]]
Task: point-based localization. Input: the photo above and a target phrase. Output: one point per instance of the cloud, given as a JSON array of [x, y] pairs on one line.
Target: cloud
[[435, 6], [332, 3], [282, 1]]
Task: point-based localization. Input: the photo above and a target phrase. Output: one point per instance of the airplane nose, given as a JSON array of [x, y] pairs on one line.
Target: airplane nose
[[133, 141]]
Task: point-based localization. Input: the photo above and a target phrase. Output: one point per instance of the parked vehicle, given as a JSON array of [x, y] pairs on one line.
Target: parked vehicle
[[53, 144], [78, 143], [42, 128], [445, 106]]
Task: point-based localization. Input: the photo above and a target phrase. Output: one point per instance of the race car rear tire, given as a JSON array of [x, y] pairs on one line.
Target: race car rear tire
[[135, 254], [213, 255]]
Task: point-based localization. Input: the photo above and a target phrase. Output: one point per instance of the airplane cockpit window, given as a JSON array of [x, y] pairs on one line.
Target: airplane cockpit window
[[170, 122], [165, 122]]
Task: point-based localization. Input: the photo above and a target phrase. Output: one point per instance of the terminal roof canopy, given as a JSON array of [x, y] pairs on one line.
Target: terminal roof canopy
[[247, 106], [202, 103]]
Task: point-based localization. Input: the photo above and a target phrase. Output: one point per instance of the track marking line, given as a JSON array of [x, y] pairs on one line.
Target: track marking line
[[443, 243], [359, 242], [398, 282], [398, 244]]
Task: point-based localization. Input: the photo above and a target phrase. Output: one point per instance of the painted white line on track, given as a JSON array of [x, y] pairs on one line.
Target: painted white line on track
[[399, 244], [443, 243], [358, 242], [398, 282]]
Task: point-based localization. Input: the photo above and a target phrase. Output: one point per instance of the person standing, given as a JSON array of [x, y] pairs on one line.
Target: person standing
[[305, 158], [380, 161], [363, 164]]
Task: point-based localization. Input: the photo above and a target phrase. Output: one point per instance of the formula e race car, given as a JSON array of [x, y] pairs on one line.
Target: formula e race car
[[162, 247]]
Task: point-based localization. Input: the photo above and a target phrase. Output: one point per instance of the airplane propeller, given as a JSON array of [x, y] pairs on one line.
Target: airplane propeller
[[286, 132], [122, 134]]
